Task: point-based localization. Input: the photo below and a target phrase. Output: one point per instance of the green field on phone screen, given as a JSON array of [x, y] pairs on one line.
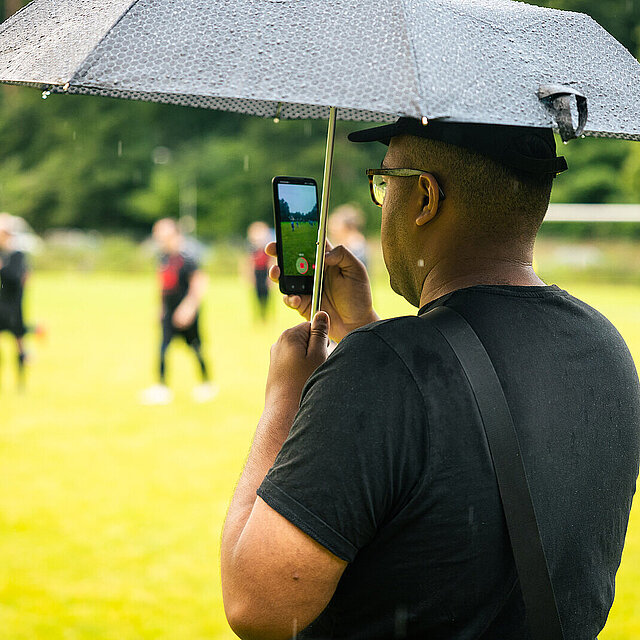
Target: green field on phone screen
[[297, 241]]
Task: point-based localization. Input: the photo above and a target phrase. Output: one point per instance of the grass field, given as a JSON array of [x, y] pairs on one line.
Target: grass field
[[110, 512], [294, 242]]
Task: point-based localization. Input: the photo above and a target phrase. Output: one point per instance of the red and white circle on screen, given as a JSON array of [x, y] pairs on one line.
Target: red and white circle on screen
[[302, 265]]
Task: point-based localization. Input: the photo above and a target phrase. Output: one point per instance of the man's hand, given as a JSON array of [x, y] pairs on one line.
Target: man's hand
[[185, 314], [346, 295], [294, 357]]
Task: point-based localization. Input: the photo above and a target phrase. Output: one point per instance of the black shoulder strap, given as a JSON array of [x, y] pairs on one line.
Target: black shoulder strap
[[537, 591]]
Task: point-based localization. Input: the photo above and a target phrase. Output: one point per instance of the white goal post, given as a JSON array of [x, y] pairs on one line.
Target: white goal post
[[593, 213]]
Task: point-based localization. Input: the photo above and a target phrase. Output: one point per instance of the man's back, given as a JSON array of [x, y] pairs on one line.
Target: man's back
[[387, 467]]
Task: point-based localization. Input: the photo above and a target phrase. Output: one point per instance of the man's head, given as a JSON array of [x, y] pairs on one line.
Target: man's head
[[491, 208], [258, 234], [166, 234], [343, 222]]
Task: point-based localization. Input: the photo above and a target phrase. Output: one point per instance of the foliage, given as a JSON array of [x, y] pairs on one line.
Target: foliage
[[77, 161], [108, 164]]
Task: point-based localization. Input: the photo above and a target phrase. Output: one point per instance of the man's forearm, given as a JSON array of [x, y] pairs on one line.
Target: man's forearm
[[271, 432], [197, 289]]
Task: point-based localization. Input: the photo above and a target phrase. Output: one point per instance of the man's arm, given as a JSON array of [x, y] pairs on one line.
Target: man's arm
[[276, 579], [185, 312]]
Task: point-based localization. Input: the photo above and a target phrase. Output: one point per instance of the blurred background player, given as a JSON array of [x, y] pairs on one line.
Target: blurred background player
[[345, 227], [13, 275], [259, 234], [183, 287]]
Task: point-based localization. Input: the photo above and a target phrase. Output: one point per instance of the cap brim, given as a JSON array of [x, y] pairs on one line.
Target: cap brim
[[375, 134]]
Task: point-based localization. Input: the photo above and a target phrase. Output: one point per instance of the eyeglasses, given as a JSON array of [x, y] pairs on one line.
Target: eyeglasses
[[378, 185]]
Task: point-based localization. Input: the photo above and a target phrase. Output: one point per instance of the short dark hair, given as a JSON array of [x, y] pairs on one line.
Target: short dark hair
[[497, 201]]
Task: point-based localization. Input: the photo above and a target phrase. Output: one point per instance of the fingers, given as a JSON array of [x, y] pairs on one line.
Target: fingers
[[319, 334], [270, 250], [274, 273], [302, 304]]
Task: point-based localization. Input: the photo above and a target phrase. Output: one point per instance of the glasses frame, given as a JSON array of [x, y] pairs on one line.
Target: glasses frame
[[402, 173]]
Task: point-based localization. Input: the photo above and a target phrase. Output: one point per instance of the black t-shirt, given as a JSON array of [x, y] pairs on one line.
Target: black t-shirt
[[12, 275], [387, 467], [175, 273]]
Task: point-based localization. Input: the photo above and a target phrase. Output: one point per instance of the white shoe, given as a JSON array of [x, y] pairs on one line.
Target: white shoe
[[205, 392], [158, 394]]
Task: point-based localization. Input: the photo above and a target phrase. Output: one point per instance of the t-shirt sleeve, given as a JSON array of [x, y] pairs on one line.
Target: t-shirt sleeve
[[355, 447], [190, 266]]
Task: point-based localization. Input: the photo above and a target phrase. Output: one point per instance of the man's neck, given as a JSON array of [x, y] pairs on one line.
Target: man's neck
[[449, 275]]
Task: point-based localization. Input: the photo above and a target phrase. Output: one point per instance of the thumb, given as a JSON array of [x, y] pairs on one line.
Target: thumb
[[319, 336]]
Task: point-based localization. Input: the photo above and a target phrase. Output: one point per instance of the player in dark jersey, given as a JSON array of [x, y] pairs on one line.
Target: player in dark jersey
[[183, 286], [258, 235], [13, 274]]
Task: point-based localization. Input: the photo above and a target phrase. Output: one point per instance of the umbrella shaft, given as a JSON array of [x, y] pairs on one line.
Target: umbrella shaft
[[316, 298]]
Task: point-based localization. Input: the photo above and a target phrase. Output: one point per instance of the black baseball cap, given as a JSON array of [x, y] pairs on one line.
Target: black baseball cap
[[528, 149]]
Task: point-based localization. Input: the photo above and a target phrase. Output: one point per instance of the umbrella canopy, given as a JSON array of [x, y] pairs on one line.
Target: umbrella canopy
[[485, 61]]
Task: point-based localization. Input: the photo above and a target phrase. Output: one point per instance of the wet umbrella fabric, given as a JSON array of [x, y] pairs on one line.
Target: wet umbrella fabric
[[463, 60]]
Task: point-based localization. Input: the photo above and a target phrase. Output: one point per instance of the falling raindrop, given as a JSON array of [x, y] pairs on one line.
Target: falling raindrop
[[119, 148], [245, 166]]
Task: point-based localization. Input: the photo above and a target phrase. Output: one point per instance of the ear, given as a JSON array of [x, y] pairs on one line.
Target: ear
[[430, 195]]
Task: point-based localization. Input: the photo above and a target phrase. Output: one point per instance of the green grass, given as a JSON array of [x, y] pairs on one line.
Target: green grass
[[301, 241], [110, 512]]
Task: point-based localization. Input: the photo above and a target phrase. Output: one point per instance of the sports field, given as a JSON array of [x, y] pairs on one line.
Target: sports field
[[110, 512], [301, 239]]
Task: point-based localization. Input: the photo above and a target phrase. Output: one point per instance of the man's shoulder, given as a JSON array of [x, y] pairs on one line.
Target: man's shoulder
[[189, 260], [377, 361], [401, 330], [17, 256], [391, 343]]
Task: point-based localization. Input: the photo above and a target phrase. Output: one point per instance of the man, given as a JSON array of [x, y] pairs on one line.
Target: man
[[258, 235], [377, 513], [183, 286], [13, 274], [344, 227]]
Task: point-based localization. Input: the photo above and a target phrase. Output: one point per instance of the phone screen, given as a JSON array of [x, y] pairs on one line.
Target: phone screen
[[297, 216]]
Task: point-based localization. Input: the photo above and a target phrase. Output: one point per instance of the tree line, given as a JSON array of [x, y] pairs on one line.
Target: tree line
[[112, 165]]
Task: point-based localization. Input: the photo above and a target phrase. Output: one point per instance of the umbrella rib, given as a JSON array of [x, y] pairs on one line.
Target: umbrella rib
[[106, 33], [414, 57]]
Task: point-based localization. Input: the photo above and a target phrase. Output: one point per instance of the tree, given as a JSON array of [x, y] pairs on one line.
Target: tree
[[118, 165]]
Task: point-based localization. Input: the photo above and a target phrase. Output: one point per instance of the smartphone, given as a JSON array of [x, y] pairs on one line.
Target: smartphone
[[296, 211]]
